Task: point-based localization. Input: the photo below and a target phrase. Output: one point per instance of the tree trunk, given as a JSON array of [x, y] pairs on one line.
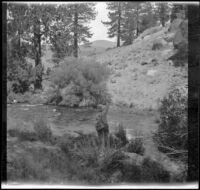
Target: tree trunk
[[137, 23], [163, 22], [38, 63], [75, 31], [119, 25], [19, 45]]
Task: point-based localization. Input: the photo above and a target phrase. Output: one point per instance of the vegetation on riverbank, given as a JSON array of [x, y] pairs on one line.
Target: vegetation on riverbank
[[77, 159], [80, 159]]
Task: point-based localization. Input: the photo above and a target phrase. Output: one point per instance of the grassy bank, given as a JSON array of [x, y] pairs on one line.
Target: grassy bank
[[35, 154]]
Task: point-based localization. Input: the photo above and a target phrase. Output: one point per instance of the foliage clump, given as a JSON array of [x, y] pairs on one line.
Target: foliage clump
[[172, 133], [79, 82]]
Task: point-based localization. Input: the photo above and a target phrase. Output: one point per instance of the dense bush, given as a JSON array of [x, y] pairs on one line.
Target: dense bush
[[172, 134], [43, 131], [19, 73], [121, 134], [136, 145], [80, 82], [153, 171]]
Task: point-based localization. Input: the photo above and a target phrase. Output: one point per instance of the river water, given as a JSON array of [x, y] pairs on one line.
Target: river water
[[67, 120]]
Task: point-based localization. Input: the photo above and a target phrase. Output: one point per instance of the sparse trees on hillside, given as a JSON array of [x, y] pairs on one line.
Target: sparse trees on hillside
[[128, 19]]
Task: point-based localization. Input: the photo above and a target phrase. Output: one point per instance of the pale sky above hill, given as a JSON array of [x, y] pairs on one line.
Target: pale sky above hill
[[98, 29]]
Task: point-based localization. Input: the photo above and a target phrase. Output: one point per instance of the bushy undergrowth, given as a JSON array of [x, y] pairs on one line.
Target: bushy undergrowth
[[172, 134], [136, 145], [79, 159], [27, 97], [121, 134], [79, 82], [43, 131]]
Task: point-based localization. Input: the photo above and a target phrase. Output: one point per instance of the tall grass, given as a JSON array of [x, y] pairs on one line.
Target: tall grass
[[80, 159]]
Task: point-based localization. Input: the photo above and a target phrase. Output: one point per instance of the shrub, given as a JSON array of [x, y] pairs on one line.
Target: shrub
[[111, 161], [136, 145], [23, 135], [171, 135], [26, 135], [24, 168], [121, 134], [152, 171], [43, 131], [80, 80]]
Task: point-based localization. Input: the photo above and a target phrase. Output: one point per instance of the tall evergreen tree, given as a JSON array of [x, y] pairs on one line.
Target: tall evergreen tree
[[115, 17], [81, 14], [163, 12], [129, 23], [147, 16], [40, 18], [61, 38]]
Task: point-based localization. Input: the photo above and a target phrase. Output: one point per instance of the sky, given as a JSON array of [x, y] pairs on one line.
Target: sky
[[98, 29]]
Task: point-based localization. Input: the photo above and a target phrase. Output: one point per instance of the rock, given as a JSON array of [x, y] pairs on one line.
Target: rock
[[151, 72], [113, 81], [32, 88], [170, 62], [181, 36], [144, 63], [54, 110], [154, 62], [175, 24], [131, 105], [14, 101], [118, 74]]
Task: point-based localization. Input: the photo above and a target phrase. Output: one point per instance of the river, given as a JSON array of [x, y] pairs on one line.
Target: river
[[67, 120]]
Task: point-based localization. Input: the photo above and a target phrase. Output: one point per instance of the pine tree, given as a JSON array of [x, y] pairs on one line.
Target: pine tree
[[147, 16], [115, 17], [61, 38], [129, 23], [163, 12], [81, 14], [16, 47], [40, 18], [16, 27]]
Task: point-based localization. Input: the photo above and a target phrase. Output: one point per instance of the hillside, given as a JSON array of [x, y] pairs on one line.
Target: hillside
[[141, 77], [96, 47]]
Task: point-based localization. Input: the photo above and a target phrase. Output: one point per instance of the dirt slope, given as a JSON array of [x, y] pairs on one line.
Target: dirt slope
[[141, 77]]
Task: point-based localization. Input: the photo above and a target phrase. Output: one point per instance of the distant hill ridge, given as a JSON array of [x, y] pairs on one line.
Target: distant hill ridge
[[96, 47]]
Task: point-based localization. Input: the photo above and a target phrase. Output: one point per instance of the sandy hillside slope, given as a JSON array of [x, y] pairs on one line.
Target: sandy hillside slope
[[141, 77]]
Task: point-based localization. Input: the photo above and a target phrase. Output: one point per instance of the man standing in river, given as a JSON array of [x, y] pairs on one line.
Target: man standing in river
[[102, 127]]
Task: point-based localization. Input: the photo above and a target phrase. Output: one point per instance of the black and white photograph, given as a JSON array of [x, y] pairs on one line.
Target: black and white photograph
[[97, 93]]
